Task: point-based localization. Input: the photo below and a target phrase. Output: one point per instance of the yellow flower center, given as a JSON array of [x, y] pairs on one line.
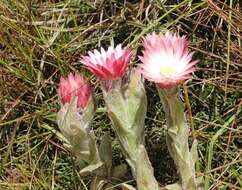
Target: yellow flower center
[[168, 70]]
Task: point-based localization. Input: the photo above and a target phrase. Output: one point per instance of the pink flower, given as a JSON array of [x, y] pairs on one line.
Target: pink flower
[[74, 85], [166, 59], [108, 65]]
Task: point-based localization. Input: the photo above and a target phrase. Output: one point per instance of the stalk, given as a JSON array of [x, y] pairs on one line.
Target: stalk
[[126, 105], [177, 138]]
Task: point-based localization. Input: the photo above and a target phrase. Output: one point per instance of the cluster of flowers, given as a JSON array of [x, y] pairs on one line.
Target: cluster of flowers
[[165, 61]]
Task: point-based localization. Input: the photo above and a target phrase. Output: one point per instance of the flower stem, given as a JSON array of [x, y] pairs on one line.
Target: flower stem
[[177, 138], [126, 106]]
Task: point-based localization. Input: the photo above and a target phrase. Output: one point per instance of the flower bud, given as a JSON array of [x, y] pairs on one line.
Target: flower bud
[[74, 85]]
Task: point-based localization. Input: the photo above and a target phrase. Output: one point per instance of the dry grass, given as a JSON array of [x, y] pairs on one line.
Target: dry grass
[[42, 40]]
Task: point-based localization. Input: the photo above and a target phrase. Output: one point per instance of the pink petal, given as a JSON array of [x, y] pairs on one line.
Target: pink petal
[[108, 65], [168, 47], [74, 85]]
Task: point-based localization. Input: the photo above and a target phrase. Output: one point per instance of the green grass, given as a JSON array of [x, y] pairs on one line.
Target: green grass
[[42, 40]]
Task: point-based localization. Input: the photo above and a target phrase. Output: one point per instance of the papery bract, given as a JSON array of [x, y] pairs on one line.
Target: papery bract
[[166, 59], [108, 65], [74, 85]]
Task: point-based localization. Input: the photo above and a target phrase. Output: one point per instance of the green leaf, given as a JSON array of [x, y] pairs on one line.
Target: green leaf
[[145, 173], [74, 124], [126, 106], [105, 152], [90, 169], [177, 137]]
